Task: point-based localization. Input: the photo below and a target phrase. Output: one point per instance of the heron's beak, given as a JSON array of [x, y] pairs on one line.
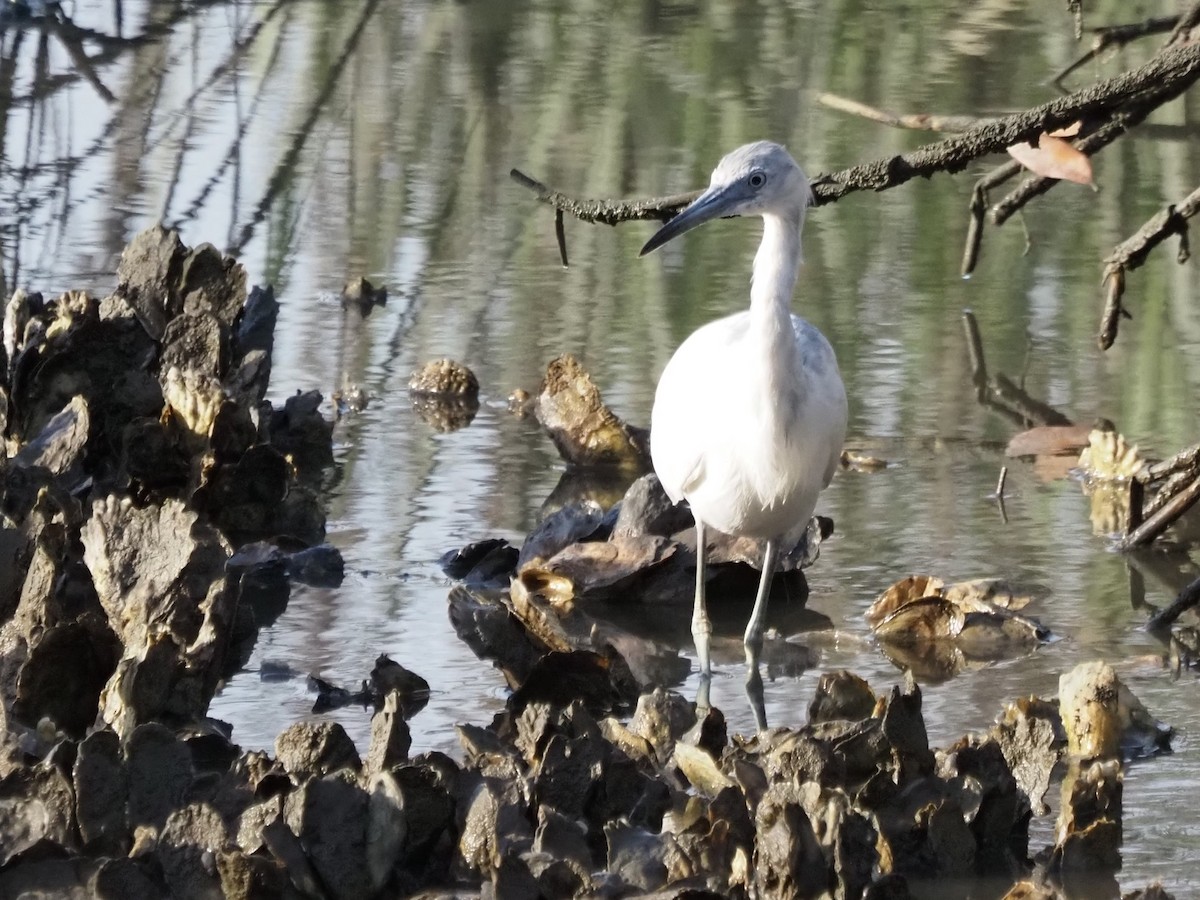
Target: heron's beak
[[717, 201]]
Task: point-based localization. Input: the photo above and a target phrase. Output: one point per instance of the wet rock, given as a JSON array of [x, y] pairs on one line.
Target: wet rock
[[493, 827], [245, 877], [1088, 832], [584, 430], [173, 621], [315, 749], [305, 437], [390, 737], [601, 682], [635, 855], [386, 827], [361, 295], [647, 510], [124, 879], [1103, 718], [788, 861], [561, 529], [445, 377], [159, 772], [482, 562], [253, 344], [937, 629], [389, 677], [662, 717], [491, 629], [81, 653], [700, 769], [287, 849], [187, 850], [61, 444], [606, 570], [841, 695], [101, 794], [563, 838], [36, 806], [1031, 736], [329, 815]]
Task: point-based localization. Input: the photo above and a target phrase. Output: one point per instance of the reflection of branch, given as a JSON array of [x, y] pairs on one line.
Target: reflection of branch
[[235, 145], [285, 168], [1132, 252], [998, 392], [1117, 36], [70, 37]]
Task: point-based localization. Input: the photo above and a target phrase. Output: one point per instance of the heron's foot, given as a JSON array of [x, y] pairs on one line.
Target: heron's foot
[[754, 693]]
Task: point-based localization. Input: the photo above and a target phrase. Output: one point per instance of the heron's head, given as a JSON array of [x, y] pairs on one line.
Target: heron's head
[[754, 180]]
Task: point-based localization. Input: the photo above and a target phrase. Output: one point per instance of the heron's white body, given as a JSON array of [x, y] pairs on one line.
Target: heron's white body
[[750, 413]]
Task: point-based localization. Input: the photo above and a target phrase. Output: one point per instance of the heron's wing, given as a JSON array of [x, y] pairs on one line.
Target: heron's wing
[[824, 390], [691, 387]]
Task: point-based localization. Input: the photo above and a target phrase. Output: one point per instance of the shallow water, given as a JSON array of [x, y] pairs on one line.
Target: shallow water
[[372, 138]]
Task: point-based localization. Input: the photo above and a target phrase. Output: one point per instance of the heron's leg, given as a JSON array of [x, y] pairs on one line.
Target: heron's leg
[[754, 637], [701, 626], [754, 628]]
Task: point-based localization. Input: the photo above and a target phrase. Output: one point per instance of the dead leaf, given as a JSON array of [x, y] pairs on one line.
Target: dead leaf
[[1051, 440], [904, 591], [1053, 158]]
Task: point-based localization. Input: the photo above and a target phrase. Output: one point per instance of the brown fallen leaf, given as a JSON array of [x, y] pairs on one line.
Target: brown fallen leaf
[[1049, 440], [1053, 158]]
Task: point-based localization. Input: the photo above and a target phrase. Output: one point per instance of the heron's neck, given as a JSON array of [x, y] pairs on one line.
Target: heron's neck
[[775, 268]]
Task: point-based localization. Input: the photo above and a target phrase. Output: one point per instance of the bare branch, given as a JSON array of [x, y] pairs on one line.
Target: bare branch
[[1117, 36], [1132, 252], [916, 121], [1177, 68]]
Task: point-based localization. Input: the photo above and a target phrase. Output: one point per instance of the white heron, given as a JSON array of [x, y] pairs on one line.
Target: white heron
[[750, 413]]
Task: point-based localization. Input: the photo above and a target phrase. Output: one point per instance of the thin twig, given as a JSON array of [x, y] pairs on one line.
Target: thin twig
[[978, 207], [914, 121], [1117, 36], [1183, 27]]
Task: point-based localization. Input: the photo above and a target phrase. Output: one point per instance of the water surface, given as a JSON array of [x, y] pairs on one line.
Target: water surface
[[322, 141]]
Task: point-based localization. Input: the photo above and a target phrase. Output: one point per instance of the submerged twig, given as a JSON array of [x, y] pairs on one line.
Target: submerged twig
[[1132, 252], [1187, 598]]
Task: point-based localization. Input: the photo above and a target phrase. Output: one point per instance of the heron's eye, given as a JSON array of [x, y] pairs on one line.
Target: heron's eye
[[757, 180]]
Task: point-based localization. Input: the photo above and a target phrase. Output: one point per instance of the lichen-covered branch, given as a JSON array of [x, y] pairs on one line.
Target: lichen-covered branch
[[1178, 67]]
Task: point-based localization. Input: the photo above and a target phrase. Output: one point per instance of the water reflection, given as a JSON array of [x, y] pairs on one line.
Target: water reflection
[[327, 141]]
